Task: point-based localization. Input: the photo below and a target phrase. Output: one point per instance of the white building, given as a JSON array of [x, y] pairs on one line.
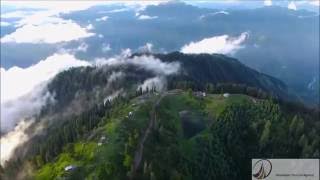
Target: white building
[[69, 168]]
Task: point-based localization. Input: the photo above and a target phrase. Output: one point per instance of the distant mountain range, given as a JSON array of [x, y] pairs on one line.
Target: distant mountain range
[[283, 43]]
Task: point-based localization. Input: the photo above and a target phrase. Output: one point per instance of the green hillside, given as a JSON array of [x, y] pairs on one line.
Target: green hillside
[[184, 135], [168, 133]]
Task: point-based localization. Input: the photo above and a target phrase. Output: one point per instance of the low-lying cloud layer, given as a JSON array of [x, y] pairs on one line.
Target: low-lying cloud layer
[[13, 139], [115, 76], [149, 63], [217, 44], [24, 93], [158, 82], [22, 89], [24, 107]]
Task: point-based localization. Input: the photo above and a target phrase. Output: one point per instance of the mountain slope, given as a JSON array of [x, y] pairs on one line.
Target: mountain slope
[[89, 98], [197, 70], [216, 68], [185, 136]]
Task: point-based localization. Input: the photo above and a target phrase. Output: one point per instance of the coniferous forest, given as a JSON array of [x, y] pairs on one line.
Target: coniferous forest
[[204, 126]]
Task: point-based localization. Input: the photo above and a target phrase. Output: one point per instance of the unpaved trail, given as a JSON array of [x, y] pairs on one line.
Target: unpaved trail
[[139, 152]]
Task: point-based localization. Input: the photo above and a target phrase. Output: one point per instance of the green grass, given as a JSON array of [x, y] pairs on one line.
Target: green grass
[[113, 158], [85, 151], [56, 169], [215, 104], [79, 154]]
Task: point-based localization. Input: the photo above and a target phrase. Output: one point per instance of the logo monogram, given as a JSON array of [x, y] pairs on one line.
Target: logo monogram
[[262, 169]]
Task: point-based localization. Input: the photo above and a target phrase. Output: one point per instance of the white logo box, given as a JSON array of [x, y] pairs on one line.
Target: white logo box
[[285, 169]]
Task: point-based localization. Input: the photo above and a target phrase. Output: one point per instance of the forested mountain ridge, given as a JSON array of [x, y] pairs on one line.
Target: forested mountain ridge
[[191, 136], [197, 71], [174, 89], [217, 68], [92, 100]]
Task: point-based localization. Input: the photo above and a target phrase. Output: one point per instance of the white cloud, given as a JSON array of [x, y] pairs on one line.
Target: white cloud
[[104, 18], [105, 47], [100, 36], [12, 140], [139, 6], [218, 44], [83, 47], [115, 76], [315, 2], [39, 18], [89, 27], [46, 25], [21, 101], [126, 53], [143, 3], [268, 2], [16, 14], [146, 17], [112, 96], [229, 1], [146, 48], [213, 14], [308, 2], [24, 108], [47, 33], [292, 6], [69, 6], [24, 99], [29, 77], [158, 82], [116, 10], [61, 6], [147, 62], [220, 12], [3, 23]]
